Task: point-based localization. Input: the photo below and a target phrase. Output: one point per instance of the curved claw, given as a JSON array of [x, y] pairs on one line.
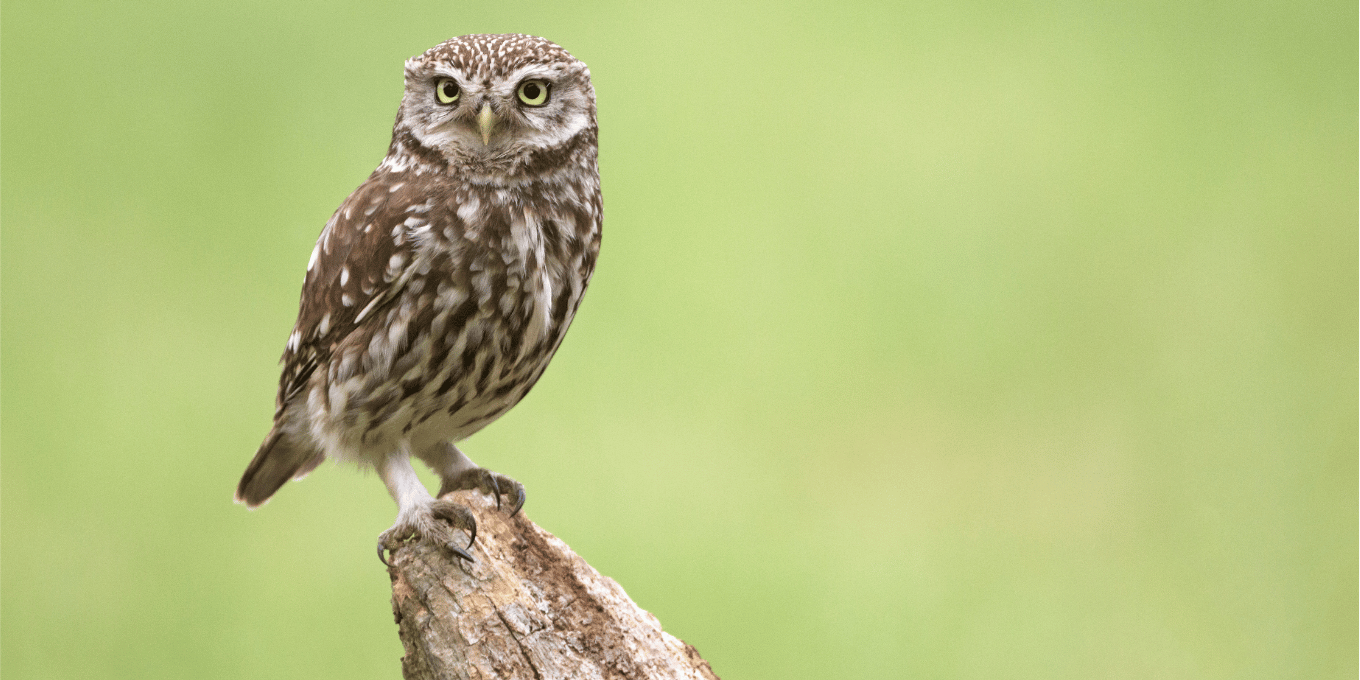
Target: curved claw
[[458, 516], [495, 488], [382, 555], [488, 482], [460, 553]]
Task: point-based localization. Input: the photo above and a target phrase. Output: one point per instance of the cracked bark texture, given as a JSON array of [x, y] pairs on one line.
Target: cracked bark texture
[[528, 608]]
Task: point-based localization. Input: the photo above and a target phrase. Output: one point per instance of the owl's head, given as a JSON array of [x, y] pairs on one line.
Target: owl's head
[[495, 104]]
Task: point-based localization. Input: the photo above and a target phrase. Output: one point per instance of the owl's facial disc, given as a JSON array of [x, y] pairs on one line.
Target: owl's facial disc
[[481, 121]]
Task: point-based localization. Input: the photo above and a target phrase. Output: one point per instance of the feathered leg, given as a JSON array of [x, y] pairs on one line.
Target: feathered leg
[[419, 515]]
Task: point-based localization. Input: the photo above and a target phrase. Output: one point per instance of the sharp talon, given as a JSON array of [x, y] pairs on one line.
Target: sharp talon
[[473, 539], [381, 556], [495, 490], [519, 501], [460, 553]]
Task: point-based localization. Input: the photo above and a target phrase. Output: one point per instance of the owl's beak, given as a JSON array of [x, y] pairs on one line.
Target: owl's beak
[[486, 122]]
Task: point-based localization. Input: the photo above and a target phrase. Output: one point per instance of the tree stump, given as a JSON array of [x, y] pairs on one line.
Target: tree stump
[[528, 609]]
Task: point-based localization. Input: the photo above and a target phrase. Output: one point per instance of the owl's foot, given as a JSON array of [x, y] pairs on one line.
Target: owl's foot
[[434, 522], [491, 483]]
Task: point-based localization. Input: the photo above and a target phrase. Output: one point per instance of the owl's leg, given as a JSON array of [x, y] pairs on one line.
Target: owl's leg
[[419, 515], [457, 471]]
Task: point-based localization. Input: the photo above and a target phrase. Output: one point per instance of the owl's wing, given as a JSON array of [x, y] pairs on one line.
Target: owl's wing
[[364, 257], [362, 260]]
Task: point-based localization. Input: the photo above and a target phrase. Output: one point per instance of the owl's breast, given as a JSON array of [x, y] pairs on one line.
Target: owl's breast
[[479, 307], [503, 297]]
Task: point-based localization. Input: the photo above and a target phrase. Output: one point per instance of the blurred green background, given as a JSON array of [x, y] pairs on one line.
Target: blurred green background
[[929, 339]]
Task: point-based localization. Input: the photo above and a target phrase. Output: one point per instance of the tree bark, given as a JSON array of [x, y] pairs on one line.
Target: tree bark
[[528, 609]]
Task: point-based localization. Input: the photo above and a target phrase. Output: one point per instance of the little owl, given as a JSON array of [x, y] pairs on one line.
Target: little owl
[[439, 290]]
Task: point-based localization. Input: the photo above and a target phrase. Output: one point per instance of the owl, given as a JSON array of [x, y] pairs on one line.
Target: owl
[[440, 289]]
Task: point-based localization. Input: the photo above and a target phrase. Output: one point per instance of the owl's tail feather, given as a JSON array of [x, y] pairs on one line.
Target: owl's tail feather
[[280, 458]]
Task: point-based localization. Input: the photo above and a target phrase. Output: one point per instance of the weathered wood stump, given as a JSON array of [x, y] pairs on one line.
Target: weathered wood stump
[[528, 609]]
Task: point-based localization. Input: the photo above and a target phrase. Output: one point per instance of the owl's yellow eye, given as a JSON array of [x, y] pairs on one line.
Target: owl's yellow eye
[[533, 92], [446, 90]]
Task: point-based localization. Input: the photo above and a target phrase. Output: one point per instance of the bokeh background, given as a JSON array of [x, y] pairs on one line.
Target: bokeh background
[[929, 339]]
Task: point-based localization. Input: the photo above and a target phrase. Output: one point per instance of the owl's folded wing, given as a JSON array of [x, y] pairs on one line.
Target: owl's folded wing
[[362, 260]]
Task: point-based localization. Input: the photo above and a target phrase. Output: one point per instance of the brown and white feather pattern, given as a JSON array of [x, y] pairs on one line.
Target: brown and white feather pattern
[[440, 289], [441, 308]]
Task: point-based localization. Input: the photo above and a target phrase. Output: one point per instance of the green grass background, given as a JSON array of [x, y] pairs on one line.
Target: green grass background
[[929, 339]]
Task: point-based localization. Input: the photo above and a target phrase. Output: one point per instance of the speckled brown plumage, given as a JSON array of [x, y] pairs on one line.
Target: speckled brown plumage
[[440, 289]]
